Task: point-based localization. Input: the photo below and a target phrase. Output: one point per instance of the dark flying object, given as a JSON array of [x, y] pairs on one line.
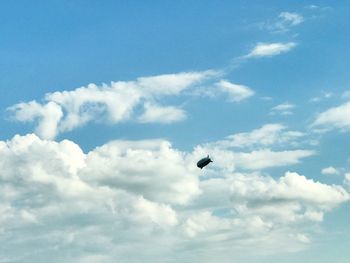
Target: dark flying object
[[204, 162]]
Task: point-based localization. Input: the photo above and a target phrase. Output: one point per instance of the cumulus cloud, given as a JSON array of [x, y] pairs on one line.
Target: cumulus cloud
[[261, 209], [235, 92], [289, 188], [334, 118], [146, 196], [48, 116], [270, 49], [65, 110], [149, 168], [329, 170], [55, 197]]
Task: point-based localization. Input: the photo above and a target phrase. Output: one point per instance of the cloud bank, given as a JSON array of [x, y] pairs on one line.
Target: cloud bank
[[62, 204]]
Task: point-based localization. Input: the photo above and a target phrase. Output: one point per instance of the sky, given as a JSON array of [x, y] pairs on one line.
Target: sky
[[106, 107]]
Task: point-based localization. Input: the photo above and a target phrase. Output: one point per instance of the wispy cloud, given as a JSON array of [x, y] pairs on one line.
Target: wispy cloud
[[270, 49], [283, 109], [334, 118], [324, 95], [235, 92], [258, 149], [283, 23], [318, 8], [312, 7], [66, 110], [138, 100], [291, 18], [273, 134]]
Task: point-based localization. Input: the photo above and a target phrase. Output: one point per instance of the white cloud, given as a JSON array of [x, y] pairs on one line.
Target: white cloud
[[270, 49], [173, 84], [318, 8], [329, 170], [146, 197], [288, 201], [303, 238], [235, 92], [324, 95], [50, 203], [121, 101], [283, 109], [283, 23], [261, 209], [291, 18], [206, 222], [267, 135], [312, 7], [65, 110], [266, 158], [334, 118], [254, 160], [149, 168], [48, 116], [161, 114], [259, 149], [292, 187]]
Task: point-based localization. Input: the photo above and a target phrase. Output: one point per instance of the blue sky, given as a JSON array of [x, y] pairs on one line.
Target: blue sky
[[106, 108]]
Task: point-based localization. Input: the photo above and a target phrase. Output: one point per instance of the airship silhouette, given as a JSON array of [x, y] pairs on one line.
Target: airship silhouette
[[204, 162]]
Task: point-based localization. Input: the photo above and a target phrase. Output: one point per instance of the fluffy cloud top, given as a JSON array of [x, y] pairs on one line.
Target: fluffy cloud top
[[146, 196], [289, 188], [152, 169], [329, 170], [270, 49], [262, 209], [55, 197]]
